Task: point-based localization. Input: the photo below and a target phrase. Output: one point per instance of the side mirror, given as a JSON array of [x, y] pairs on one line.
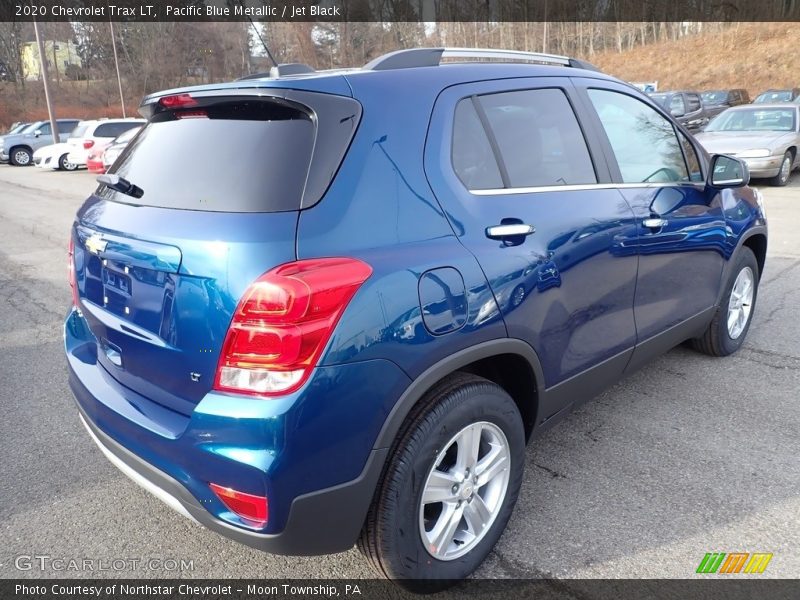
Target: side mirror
[[37, 133], [728, 172], [676, 112]]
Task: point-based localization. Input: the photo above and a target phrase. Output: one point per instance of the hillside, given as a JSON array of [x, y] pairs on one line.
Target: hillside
[[753, 56]]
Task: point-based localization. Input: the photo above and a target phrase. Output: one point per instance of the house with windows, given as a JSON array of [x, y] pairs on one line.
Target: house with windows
[[60, 56]]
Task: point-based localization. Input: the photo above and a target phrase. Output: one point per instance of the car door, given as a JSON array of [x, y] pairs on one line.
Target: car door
[[695, 117], [44, 135], [681, 230], [526, 191]]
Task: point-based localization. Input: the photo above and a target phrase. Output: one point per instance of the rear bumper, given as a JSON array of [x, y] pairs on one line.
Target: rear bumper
[[322, 522], [312, 453]]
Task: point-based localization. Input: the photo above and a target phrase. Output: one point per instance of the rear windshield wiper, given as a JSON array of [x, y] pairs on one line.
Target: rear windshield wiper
[[120, 184]]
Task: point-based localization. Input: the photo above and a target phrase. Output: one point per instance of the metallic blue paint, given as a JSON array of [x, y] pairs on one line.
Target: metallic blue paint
[[584, 289]]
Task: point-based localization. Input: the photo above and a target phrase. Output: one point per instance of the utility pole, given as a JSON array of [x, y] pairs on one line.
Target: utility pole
[[544, 33], [43, 70], [116, 64]]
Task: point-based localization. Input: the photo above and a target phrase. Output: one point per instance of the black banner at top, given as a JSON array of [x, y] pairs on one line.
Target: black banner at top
[[400, 10]]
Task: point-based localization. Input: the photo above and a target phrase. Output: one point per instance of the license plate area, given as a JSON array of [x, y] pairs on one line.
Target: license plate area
[[116, 281]]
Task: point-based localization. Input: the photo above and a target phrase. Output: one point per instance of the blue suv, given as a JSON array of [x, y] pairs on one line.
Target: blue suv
[[322, 309]]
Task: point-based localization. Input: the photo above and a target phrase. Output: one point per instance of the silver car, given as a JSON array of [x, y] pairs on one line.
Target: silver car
[[765, 136]]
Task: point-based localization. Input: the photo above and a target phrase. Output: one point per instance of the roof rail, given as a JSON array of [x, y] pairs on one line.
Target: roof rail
[[432, 57], [281, 70]]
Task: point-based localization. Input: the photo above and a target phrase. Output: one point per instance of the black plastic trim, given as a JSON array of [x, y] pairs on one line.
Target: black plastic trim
[[322, 522], [664, 341], [448, 365]]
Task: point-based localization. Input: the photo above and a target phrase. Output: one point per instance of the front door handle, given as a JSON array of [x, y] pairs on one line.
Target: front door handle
[[499, 232], [655, 223]]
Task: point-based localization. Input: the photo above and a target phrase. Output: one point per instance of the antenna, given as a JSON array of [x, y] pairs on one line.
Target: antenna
[[263, 43]]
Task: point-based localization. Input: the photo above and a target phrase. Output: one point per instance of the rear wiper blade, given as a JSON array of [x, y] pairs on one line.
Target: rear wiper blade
[[120, 184]]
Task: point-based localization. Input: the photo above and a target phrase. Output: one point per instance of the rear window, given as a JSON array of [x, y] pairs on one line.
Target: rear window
[[112, 130], [234, 156]]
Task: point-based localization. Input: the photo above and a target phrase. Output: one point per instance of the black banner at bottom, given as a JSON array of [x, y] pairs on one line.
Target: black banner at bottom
[[368, 589]]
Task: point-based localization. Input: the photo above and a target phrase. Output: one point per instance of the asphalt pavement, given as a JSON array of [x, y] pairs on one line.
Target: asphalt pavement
[[689, 455]]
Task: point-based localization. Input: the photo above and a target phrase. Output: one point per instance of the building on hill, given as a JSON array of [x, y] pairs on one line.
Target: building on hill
[[62, 57]]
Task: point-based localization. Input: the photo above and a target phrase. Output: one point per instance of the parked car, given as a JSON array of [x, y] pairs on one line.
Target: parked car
[[13, 130], [94, 159], [18, 148], [96, 132], [765, 136], [16, 128], [53, 157], [117, 146], [772, 96], [715, 101], [686, 107], [296, 339]]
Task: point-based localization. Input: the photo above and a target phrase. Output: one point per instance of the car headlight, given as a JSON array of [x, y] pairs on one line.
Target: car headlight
[[756, 153]]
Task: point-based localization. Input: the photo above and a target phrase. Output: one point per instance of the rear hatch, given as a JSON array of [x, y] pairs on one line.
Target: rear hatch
[[223, 176]]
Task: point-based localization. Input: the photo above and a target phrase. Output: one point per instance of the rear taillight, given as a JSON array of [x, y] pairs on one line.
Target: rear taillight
[[283, 322], [248, 506], [88, 143], [177, 101], [73, 283]]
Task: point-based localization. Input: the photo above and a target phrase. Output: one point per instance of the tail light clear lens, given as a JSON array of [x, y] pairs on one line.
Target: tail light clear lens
[[88, 143], [283, 322]]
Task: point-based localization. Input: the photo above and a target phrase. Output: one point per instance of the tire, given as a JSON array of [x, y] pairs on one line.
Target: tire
[[392, 537], [782, 178], [65, 165], [20, 156], [720, 339]]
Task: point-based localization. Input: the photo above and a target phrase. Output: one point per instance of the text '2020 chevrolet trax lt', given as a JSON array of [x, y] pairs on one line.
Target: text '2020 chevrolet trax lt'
[[342, 321]]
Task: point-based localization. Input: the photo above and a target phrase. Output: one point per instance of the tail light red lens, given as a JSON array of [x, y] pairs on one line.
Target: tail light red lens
[[88, 144], [177, 101], [248, 506], [71, 269], [283, 322]]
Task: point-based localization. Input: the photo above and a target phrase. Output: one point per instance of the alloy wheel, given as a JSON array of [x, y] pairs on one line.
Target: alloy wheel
[[464, 491], [741, 302]]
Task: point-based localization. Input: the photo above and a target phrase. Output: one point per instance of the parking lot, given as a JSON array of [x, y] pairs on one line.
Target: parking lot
[[690, 455]]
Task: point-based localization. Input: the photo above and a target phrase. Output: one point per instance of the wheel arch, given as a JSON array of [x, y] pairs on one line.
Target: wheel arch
[[757, 242], [508, 362], [18, 146]]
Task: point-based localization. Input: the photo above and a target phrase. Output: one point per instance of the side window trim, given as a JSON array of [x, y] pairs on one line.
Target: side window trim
[[487, 130], [700, 163]]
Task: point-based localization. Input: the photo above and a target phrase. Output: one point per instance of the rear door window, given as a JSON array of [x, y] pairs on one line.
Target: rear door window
[[248, 155], [536, 137]]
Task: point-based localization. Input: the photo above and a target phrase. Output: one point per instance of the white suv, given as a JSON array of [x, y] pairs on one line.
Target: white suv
[[90, 133]]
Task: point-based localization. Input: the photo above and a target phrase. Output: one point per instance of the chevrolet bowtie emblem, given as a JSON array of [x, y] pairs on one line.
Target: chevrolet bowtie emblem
[[96, 244]]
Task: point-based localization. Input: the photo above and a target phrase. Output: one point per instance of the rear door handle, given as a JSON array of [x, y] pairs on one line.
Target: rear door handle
[[499, 232], [655, 223]]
